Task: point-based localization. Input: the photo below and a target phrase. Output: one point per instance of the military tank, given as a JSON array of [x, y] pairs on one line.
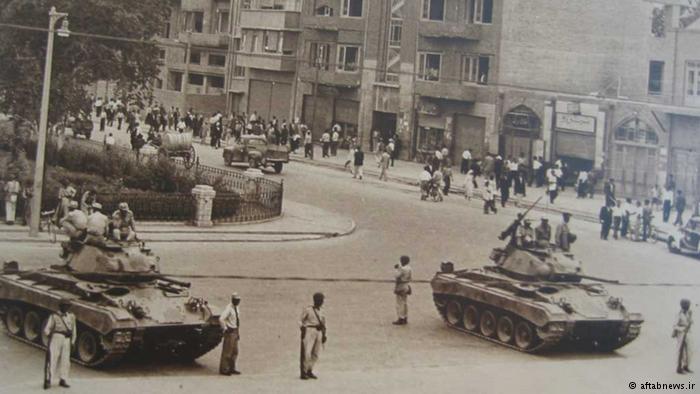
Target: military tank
[[532, 300], [123, 305]]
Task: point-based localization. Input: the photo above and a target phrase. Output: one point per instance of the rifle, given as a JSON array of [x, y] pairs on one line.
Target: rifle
[[512, 229]]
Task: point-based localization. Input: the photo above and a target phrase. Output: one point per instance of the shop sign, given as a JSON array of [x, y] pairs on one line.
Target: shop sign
[[585, 124], [428, 108]]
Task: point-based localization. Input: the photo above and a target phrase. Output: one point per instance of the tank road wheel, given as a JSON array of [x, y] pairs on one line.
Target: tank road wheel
[[453, 313], [487, 323], [471, 318], [525, 336], [14, 321], [505, 329], [88, 347], [32, 326]]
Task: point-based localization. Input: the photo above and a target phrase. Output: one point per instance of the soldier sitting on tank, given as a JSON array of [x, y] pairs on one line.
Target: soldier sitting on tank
[[97, 226], [123, 226], [526, 235], [543, 234], [512, 232], [74, 225]]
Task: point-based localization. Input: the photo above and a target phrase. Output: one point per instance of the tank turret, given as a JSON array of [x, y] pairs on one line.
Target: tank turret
[[544, 264]]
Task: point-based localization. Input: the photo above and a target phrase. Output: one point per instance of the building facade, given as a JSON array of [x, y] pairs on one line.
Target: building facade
[[610, 86]]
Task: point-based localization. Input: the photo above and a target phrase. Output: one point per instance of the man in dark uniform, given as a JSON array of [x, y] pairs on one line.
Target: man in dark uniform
[[606, 218]]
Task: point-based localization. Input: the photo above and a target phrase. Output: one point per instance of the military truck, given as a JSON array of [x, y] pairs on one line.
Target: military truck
[[255, 151]]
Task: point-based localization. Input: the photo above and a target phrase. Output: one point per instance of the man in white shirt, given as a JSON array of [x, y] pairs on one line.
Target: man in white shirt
[[335, 139], [325, 143], [536, 169], [230, 323], [61, 330], [313, 334], [402, 289], [466, 159]]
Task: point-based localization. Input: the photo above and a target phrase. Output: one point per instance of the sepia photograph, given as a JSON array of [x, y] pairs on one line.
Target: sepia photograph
[[349, 196]]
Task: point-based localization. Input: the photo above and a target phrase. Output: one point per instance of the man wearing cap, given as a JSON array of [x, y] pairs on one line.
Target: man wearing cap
[[543, 233], [313, 335], [123, 226], [230, 323], [681, 331], [402, 289], [61, 330], [563, 237], [97, 226], [526, 234], [74, 223]]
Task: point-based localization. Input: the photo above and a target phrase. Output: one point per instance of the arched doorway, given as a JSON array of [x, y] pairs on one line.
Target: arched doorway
[[521, 127], [634, 157]]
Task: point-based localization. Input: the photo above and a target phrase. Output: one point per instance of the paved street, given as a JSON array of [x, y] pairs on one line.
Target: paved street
[[365, 353]]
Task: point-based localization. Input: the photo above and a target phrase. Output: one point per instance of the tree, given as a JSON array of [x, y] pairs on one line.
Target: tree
[[78, 61]]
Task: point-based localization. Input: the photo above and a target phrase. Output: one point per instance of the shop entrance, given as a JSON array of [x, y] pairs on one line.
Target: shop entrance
[[385, 123], [635, 157], [521, 127]]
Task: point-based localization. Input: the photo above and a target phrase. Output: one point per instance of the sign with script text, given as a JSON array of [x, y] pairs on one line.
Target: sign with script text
[[581, 123]]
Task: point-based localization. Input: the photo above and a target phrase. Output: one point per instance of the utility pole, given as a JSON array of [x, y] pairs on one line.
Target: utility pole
[[186, 75], [38, 188]]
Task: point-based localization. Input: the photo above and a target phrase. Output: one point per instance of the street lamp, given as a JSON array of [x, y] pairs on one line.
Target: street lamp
[[54, 16]]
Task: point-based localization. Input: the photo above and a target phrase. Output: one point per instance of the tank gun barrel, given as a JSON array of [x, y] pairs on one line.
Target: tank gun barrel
[[593, 278]]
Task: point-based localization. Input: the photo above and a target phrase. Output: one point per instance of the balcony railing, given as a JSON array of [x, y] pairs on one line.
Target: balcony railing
[[330, 77], [463, 31], [270, 19], [217, 40], [273, 61], [447, 91]]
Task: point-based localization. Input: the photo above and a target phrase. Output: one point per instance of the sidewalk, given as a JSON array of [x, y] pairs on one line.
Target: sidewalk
[[299, 222], [407, 172]]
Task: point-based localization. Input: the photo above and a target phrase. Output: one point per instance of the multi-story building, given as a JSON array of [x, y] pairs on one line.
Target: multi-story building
[[612, 86], [195, 52]]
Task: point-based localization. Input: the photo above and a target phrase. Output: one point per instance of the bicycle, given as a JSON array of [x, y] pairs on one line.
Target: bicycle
[[47, 221]]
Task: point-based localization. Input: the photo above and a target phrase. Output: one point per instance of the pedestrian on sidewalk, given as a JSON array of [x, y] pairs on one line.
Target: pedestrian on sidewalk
[[538, 170], [469, 184], [552, 185], [335, 140], [466, 158], [392, 149], [325, 143], [313, 336], [680, 208], [384, 166], [489, 196], [668, 198], [12, 189], [647, 216], [626, 213], [358, 162], [98, 106], [424, 180], [308, 145], [609, 190], [402, 289], [617, 213], [606, 217], [61, 330], [520, 182], [504, 186], [120, 118], [681, 331], [582, 184], [103, 120], [230, 324], [655, 197], [446, 178]]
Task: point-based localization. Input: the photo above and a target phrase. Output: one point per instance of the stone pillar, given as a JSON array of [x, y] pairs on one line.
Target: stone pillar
[[204, 201]]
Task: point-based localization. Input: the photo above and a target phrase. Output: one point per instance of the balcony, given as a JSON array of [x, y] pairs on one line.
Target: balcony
[[270, 19], [436, 29], [331, 78], [333, 23], [238, 85], [218, 40], [447, 91], [267, 61]]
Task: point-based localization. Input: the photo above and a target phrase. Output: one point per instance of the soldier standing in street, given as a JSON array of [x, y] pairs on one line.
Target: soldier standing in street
[[402, 289], [230, 323], [61, 331], [681, 331], [564, 238], [313, 335]]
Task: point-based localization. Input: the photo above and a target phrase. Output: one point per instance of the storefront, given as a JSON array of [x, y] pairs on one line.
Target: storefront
[[635, 156], [520, 134]]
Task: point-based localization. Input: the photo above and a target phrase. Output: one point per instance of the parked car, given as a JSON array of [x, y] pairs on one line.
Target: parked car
[[686, 240], [256, 151]]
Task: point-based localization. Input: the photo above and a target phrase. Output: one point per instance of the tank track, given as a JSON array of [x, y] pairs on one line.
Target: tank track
[[109, 358], [542, 346]]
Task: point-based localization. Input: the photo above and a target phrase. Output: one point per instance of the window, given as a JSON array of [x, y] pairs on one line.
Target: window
[[245, 4], [484, 66], [656, 75], [658, 23], [239, 72], [217, 60], [238, 44], [692, 83], [158, 83], [323, 11], [161, 54], [352, 8], [215, 82], [196, 79], [429, 66], [254, 43], [222, 23], [195, 57], [470, 68], [193, 21], [395, 30], [481, 11], [271, 41], [636, 131], [434, 10], [348, 58], [320, 55], [175, 81]]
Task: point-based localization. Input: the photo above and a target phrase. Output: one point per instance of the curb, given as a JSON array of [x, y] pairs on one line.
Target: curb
[[586, 216]]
